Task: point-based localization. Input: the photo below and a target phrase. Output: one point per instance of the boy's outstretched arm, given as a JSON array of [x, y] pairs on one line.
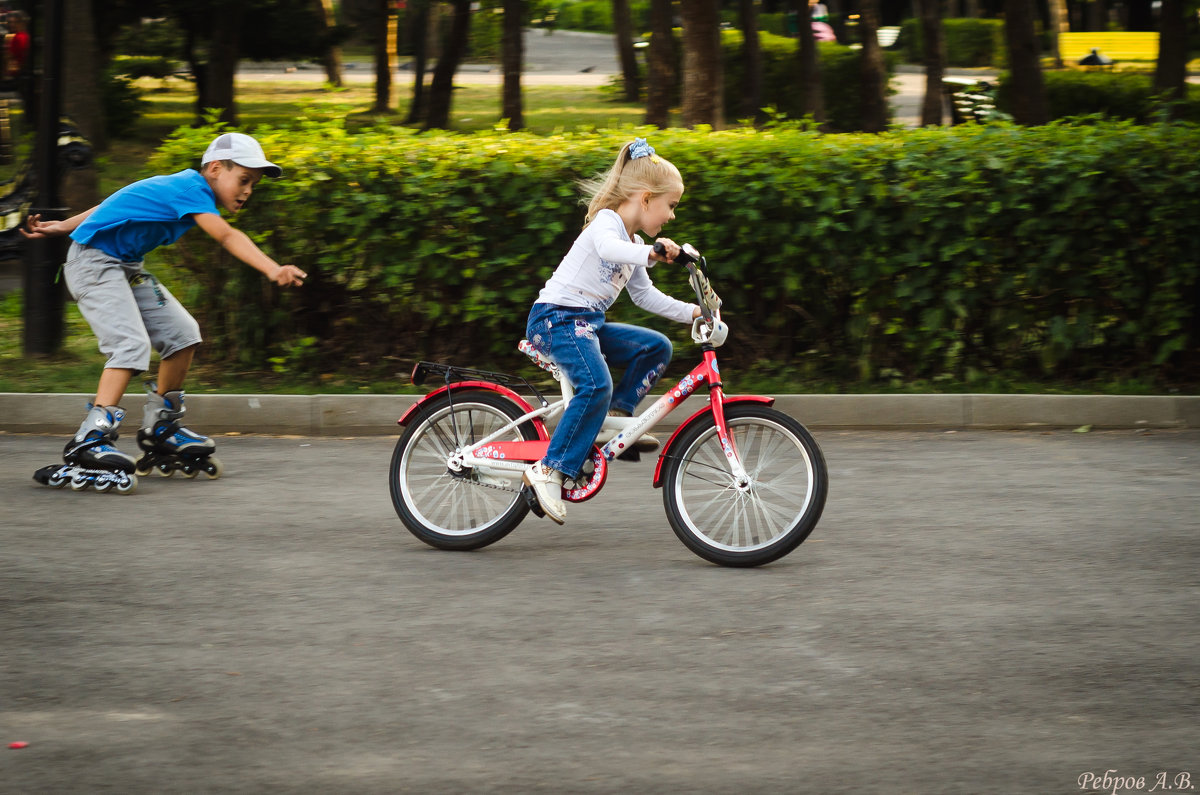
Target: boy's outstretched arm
[[36, 228], [237, 243]]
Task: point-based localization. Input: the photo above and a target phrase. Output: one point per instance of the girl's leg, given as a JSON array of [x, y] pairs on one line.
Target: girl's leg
[[570, 338], [643, 354]]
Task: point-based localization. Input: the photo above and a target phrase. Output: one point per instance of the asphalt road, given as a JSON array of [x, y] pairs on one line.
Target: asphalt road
[[977, 612]]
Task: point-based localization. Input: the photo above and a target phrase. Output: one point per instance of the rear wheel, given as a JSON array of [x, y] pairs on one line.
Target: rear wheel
[[451, 509], [748, 524]]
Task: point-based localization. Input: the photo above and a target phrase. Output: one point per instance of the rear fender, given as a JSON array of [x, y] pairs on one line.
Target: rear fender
[[419, 408], [702, 415]]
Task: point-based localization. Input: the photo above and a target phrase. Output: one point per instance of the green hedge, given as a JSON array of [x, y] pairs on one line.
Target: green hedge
[[1114, 95], [969, 42], [1061, 252]]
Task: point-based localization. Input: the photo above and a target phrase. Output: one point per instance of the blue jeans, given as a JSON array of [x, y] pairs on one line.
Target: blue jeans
[[579, 341]]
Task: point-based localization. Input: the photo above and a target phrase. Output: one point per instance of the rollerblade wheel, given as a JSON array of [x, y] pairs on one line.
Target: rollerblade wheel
[[189, 470], [57, 480], [165, 469], [213, 468], [103, 486], [128, 486], [144, 467], [79, 483]]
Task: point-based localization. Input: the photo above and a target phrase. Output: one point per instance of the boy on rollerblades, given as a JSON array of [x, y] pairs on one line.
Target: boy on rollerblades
[[131, 312]]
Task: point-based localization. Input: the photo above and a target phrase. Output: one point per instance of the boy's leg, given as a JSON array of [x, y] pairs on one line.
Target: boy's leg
[[99, 284], [173, 370], [175, 334], [113, 383]]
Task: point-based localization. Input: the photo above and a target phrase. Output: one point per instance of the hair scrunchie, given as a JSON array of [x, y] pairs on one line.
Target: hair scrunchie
[[639, 148]]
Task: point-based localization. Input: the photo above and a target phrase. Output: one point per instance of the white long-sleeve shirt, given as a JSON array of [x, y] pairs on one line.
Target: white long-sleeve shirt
[[603, 261]]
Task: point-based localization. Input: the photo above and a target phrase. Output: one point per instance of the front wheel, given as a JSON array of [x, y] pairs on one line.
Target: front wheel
[[463, 509], [755, 523]]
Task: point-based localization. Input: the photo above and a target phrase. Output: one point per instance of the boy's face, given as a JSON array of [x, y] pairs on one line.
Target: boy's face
[[232, 185]]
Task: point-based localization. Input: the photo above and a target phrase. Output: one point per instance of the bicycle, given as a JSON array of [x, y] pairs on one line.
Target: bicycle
[[743, 483]]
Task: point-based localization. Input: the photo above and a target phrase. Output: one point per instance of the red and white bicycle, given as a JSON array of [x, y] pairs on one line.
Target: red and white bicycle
[[743, 483]]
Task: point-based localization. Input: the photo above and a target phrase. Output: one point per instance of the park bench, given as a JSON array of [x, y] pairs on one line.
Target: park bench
[[1120, 46]]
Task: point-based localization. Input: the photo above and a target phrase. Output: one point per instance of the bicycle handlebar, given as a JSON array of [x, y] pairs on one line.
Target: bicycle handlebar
[[687, 253]]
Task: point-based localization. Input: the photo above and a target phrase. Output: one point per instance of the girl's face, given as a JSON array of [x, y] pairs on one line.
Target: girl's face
[[657, 210], [232, 185]]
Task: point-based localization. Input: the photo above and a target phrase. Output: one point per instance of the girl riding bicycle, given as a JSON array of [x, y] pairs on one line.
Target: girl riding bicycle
[[567, 323]]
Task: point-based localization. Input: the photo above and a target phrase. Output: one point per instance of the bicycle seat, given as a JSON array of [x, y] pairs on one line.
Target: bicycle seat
[[540, 359]]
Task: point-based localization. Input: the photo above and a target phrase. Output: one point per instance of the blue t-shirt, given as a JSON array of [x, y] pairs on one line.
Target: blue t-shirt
[[147, 214]]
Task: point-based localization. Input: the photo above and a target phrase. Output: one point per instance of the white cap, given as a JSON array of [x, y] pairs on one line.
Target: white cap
[[241, 149]]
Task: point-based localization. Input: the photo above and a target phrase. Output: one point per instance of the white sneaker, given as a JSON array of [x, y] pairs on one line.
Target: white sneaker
[[547, 487]]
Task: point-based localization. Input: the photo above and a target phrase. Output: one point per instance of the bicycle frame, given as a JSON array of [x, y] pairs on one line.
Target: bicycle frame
[[488, 454]]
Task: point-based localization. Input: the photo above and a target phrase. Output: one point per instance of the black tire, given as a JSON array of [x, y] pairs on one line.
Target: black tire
[[456, 510], [745, 527]]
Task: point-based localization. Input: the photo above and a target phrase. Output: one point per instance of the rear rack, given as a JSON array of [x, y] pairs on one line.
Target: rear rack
[[452, 373]]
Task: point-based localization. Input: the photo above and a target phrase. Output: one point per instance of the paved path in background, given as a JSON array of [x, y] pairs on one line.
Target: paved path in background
[[976, 613]]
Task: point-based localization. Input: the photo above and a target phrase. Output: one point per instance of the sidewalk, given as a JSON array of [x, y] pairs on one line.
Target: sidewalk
[[373, 415]]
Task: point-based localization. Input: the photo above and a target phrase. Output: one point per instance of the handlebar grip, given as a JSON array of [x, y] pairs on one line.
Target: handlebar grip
[[683, 258]]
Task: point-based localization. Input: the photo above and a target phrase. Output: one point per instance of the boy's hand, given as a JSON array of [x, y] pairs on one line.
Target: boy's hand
[[672, 250], [289, 276], [37, 228]]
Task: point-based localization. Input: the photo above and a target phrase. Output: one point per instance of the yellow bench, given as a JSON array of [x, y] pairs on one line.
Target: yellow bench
[[1136, 46]]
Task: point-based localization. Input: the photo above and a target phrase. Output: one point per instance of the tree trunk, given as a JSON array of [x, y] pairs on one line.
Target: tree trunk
[[1024, 59], [935, 61], [332, 59], [220, 69], [383, 57], [82, 67], [812, 90], [1170, 75], [455, 46], [660, 61], [752, 55], [81, 102], [874, 74], [702, 73], [513, 51], [1059, 23], [420, 39], [623, 23], [1140, 15]]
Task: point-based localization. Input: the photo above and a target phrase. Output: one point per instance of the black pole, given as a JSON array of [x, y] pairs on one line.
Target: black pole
[[44, 300]]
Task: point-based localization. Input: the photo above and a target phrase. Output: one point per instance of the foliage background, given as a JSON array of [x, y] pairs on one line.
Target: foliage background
[[1065, 252]]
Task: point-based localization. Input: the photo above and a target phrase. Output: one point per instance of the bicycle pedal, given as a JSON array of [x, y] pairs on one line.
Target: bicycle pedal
[[532, 501]]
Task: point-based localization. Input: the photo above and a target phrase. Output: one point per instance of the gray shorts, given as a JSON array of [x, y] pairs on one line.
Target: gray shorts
[[128, 309]]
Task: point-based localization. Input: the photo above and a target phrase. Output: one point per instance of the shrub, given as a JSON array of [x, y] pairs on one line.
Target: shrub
[[1060, 251], [122, 103], [840, 78], [1113, 95], [969, 42]]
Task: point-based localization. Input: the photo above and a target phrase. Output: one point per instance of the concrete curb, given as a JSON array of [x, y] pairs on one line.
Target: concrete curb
[[375, 415]]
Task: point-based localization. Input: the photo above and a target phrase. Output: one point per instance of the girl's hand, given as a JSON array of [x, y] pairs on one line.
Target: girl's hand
[[37, 228], [672, 250], [289, 276]]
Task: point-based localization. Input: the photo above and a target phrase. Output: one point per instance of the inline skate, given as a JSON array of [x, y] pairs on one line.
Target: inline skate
[[90, 459], [169, 447]]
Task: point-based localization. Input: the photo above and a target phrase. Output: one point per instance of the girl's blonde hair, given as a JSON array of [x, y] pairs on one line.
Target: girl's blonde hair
[[630, 176]]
